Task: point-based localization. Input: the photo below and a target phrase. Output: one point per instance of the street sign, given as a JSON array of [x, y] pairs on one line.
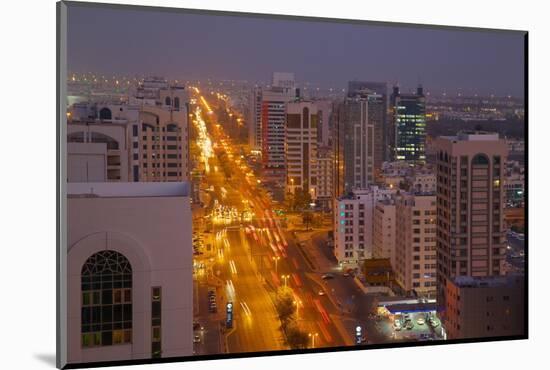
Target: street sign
[[229, 315], [358, 334]]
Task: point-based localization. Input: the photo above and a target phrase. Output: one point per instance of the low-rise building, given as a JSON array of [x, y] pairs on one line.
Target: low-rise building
[[491, 306], [415, 243], [353, 225], [384, 228]]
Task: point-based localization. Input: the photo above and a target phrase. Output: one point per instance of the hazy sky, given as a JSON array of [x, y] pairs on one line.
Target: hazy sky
[[189, 46]]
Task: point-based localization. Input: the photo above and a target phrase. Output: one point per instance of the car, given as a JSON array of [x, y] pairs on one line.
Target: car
[[197, 326], [409, 325], [321, 292], [327, 277], [346, 274], [420, 321], [196, 339], [424, 336]]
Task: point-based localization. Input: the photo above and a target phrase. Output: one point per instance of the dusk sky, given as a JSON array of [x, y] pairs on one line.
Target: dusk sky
[[186, 46]]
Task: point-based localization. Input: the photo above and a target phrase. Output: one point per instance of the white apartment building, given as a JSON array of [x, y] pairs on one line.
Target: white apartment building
[[384, 230], [273, 118], [423, 182], [353, 225], [129, 271], [415, 243], [143, 140], [98, 146], [301, 147]]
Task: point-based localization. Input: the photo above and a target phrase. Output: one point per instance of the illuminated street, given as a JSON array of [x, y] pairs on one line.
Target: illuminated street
[[251, 259]]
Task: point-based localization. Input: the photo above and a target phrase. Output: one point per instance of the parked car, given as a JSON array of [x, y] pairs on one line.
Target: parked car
[[327, 277], [420, 321], [409, 325]]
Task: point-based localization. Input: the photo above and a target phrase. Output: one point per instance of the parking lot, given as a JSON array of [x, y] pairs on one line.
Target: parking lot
[[410, 326]]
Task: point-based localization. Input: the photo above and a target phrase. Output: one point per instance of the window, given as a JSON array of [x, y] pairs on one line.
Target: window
[[480, 159], [105, 113], [106, 306], [167, 101], [156, 347]]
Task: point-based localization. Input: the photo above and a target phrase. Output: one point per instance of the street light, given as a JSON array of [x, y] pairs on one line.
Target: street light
[[313, 336], [276, 259], [285, 278]]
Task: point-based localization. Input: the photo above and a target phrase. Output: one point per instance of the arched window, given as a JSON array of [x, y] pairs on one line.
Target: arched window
[[97, 137], [177, 102], [106, 302], [105, 113], [167, 101], [480, 159]]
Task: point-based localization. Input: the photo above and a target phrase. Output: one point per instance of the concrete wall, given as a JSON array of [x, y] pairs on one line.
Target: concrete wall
[[154, 233]]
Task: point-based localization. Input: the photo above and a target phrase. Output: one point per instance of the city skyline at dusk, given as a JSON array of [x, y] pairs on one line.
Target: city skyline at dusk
[[242, 185]]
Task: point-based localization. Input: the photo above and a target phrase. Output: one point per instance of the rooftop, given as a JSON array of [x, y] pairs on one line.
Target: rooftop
[[486, 281], [127, 189], [474, 136]]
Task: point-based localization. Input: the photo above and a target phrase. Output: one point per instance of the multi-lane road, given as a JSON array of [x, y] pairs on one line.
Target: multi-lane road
[[252, 258]]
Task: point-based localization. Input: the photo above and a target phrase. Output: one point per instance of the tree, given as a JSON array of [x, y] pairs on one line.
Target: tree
[[296, 338], [307, 218], [302, 199], [284, 303]]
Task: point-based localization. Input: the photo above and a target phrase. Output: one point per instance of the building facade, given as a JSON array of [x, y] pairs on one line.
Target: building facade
[[408, 128], [129, 271], [492, 306], [471, 234], [415, 244], [255, 119], [98, 146], [377, 93], [144, 139], [162, 136], [383, 231], [353, 225], [325, 170], [273, 117], [353, 146], [301, 147]]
